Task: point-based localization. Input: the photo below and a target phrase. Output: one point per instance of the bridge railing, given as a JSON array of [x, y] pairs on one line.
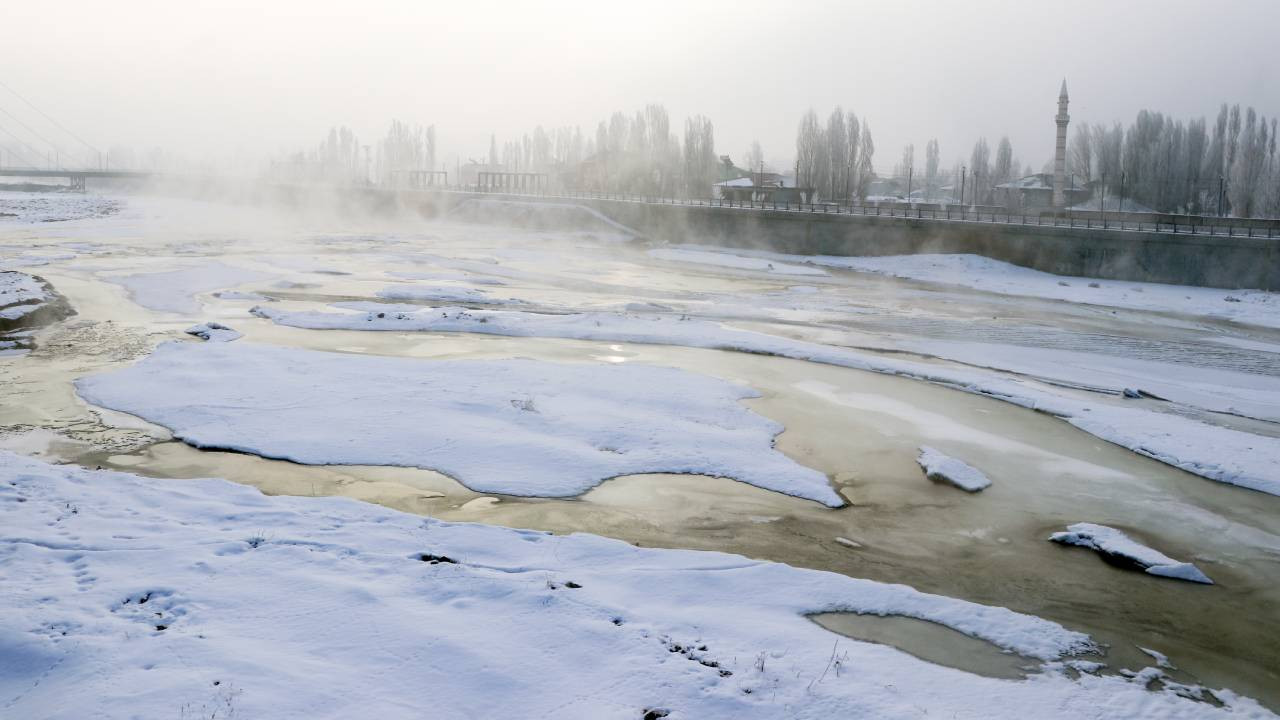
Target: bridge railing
[[1094, 220]]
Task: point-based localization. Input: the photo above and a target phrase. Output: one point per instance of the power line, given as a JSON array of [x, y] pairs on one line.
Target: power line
[[24, 142], [20, 155], [46, 117], [33, 131]]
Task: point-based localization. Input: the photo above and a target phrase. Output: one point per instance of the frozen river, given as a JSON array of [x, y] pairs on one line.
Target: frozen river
[[1172, 467]]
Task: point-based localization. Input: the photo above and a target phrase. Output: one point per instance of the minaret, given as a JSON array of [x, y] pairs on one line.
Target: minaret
[[1060, 156]]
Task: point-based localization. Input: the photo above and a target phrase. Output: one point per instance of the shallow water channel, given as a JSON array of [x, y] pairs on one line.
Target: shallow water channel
[[861, 429]]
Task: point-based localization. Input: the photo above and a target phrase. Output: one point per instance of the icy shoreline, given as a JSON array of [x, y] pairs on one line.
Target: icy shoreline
[[1252, 307], [130, 596]]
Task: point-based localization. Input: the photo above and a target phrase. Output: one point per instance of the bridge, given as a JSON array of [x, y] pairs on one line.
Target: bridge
[[76, 178], [49, 141]]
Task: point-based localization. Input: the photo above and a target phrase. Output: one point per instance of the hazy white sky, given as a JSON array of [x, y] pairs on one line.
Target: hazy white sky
[[236, 78]]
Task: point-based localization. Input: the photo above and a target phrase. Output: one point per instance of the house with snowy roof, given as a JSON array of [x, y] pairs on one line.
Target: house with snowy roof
[[1035, 192]]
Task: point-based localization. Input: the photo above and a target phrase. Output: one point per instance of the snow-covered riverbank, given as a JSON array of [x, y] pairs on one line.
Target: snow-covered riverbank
[[1254, 307], [135, 597]]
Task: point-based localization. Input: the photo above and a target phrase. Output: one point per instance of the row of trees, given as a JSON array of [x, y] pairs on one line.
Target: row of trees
[[405, 148], [632, 153], [835, 159], [1157, 161], [1175, 166], [976, 178]]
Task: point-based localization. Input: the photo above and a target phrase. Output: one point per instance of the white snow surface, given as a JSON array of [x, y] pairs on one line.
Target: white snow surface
[[738, 262], [213, 332], [1251, 307], [20, 294], [518, 427], [567, 211], [174, 291], [443, 293], [938, 466], [285, 607], [1217, 453], [1110, 541], [53, 206]]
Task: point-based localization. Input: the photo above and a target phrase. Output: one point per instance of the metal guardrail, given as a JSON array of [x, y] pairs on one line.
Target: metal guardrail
[[958, 215]]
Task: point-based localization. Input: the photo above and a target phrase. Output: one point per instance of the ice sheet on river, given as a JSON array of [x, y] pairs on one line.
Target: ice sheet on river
[[735, 262], [1218, 453], [174, 291], [444, 293], [519, 427], [137, 597]]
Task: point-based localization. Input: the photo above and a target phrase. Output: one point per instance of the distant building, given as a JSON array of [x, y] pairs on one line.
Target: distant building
[[1036, 192], [762, 187], [1110, 203], [470, 173]]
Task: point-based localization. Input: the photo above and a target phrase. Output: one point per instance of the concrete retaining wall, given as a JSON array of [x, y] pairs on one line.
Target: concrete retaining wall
[[1180, 259]]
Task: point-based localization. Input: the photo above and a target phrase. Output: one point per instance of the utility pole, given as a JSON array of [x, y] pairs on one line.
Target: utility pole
[[910, 170], [963, 170], [1102, 204], [1221, 190]]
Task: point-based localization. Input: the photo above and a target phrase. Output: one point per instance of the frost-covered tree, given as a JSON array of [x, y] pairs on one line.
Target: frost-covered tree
[[905, 171], [853, 160], [1005, 166], [1080, 153], [866, 153], [404, 149], [810, 151], [699, 157], [980, 172], [1244, 185], [835, 179]]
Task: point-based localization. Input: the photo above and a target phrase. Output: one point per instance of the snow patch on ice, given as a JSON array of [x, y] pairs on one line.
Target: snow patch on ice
[[213, 332], [943, 468], [20, 294], [473, 296], [518, 427], [1115, 545], [1162, 660]]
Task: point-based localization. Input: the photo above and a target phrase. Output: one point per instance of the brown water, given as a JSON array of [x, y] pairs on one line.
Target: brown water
[[861, 429], [930, 641]]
